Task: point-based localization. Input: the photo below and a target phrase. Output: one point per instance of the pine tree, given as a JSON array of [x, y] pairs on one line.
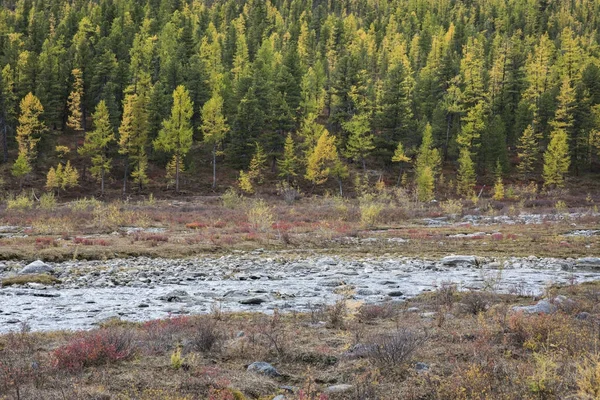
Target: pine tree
[[321, 160], [360, 140], [400, 157], [425, 184], [528, 152], [465, 179], [75, 105], [258, 164], [96, 143], [176, 135], [288, 165], [498, 185], [214, 127], [28, 135], [556, 159], [133, 137]]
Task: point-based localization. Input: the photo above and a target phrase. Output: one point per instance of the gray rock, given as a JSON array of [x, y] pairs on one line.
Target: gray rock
[[582, 316], [337, 389], [37, 267], [176, 296], [421, 367], [542, 307], [279, 397], [454, 261], [395, 293], [588, 262], [263, 368], [413, 309], [253, 301]]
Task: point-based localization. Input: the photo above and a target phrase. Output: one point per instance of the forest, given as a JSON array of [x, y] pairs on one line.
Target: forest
[[418, 92]]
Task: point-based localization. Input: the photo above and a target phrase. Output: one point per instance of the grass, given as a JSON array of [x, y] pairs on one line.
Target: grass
[[96, 230], [31, 278], [442, 351]]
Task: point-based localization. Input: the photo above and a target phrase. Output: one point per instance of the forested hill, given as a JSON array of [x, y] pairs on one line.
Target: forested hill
[[485, 88]]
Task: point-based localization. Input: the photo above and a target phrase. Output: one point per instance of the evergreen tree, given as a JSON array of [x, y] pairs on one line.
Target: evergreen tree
[[360, 140], [288, 165], [176, 135], [528, 152], [214, 127], [133, 137], [8, 104], [29, 132], [556, 159], [466, 178], [97, 142], [322, 159], [76, 120]]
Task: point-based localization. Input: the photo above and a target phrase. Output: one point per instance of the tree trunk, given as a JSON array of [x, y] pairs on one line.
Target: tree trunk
[[176, 173], [340, 184], [4, 141], [102, 183], [448, 123], [125, 178], [214, 184]]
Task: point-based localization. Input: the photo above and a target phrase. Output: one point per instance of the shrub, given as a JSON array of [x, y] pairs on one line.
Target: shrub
[[231, 199], [452, 207], [19, 203], [588, 378], [336, 314], [17, 361], [475, 302], [395, 348], [370, 210], [176, 358], [44, 243], [369, 312], [84, 204], [206, 335], [289, 193], [99, 347], [48, 201], [260, 216]]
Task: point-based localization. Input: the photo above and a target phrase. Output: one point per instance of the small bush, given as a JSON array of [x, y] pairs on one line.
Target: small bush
[[369, 312], [18, 362], [84, 204], [44, 243], [475, 302], [336, 314], [370, 210], [176, 358], [206, 335], [452, 207], [289, 193], [260, 216], [19, 203], [396, 348], [99, 347], [231, 199], [588, 378], [48, 201]]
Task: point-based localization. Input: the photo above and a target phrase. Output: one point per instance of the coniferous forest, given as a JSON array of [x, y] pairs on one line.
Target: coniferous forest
[[467, 92]]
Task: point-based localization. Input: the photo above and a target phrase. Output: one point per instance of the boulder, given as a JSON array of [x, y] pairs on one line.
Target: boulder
[[542, 307], [454, 261], [263, 368], [37, 267], [395, 293]]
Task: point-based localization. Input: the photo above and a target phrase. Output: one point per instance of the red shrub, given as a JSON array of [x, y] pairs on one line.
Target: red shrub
[[45, 242], [195, 225], [94, 348]]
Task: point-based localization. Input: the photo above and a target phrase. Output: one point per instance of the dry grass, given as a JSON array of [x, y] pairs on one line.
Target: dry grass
[[30, 278], [494, 354]]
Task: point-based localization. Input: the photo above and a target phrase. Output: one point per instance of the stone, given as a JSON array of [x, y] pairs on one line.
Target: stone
[[582, 316], [454, 261], [253, 301], [279, 397], [263, 368], [542, 307], [176, 296], [395, 293], [37, 267], [421, 367], [337, 389]]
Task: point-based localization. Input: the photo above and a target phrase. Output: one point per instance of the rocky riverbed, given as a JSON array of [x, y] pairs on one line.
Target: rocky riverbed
[[140, 289]]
